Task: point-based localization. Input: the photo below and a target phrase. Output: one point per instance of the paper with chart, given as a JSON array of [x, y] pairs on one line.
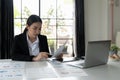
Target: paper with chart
[[11, 70], [59, 50], [64, 70], [44, 72], [43, 69]]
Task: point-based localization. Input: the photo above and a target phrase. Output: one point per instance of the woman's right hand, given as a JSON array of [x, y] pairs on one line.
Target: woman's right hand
[[40, 56]]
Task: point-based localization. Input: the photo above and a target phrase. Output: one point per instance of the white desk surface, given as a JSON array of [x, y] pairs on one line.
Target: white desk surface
[[44, 70]]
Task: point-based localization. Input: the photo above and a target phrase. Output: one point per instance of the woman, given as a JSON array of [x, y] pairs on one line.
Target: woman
[[31, 45]]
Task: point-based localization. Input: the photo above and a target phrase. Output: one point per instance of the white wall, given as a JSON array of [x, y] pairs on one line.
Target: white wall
[[116, 16], [117, 22], [97, 21]]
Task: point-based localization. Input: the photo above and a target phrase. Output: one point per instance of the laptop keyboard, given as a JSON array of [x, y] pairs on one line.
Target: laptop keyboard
[[78, 62]]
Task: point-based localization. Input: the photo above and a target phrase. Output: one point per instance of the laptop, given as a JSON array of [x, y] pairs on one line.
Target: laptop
[[97, 53]]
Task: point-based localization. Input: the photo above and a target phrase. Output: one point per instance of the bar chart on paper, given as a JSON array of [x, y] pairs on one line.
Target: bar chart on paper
[[11, 70]]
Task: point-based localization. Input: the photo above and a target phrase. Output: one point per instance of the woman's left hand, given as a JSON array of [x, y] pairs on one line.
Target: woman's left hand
[[60, 56]]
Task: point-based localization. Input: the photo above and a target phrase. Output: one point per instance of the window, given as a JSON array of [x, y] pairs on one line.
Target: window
[[57, 16]]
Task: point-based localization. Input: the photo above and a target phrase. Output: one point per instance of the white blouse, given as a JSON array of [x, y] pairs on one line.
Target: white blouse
[[33, 47]]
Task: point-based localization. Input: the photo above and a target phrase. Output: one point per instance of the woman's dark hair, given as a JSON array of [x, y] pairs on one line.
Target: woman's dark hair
[[32, 19]]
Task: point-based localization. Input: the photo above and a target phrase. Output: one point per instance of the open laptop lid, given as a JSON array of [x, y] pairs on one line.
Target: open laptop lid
[[97, 53]]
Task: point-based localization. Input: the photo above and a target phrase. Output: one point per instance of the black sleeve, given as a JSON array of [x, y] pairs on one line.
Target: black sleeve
[[43, 44], [49, 56], [18, 51]]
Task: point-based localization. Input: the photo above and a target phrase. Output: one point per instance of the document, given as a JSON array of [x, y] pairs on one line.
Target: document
[[64, 70], [11, 70], [42, 72], [59, 50]]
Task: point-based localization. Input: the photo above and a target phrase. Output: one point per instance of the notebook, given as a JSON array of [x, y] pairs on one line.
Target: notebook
[[97, 53]]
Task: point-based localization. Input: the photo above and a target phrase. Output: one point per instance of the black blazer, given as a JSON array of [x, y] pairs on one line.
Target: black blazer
[[20, 50]]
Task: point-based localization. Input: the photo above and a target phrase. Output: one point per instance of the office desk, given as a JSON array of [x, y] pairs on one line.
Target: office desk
[[44, 70]]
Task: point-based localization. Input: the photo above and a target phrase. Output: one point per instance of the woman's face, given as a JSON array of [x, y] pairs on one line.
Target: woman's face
[[34, 29]]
